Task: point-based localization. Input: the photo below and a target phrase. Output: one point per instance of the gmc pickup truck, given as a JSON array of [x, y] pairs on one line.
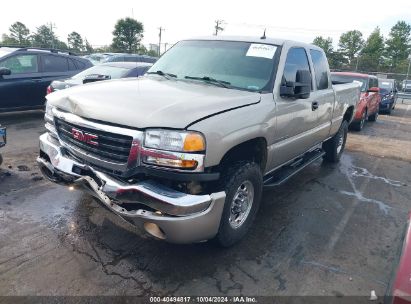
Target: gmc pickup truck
[[185, 151]]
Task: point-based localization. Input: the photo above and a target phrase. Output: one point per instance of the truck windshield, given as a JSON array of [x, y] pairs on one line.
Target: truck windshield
[[386, 85], [337, 79], [238, 65]]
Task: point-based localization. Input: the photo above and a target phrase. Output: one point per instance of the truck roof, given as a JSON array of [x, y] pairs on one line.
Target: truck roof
[[253, 39]]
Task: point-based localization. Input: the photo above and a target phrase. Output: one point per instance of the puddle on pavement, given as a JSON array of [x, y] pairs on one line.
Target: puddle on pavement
[[351, 171]]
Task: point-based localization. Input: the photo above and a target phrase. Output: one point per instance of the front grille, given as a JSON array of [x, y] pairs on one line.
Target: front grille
[[107, 146]]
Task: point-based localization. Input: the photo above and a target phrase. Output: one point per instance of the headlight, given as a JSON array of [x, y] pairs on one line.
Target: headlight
[[48, 116], [174, 149], [174, 141]]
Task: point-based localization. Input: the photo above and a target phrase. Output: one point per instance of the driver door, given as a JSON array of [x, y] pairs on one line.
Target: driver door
[[18, 89], [296, 118]]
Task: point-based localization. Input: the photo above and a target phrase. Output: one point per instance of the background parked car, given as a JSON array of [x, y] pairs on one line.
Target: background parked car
[[388, 94], [406, 86], [130, 58], [25, 73], [98, 58], [105, 71], [368, 106]]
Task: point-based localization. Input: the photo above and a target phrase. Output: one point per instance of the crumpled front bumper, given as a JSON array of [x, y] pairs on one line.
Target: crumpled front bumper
[[161, 211]]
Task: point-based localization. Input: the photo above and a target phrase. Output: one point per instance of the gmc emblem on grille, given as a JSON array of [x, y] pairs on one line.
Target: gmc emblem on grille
[[88, 138]]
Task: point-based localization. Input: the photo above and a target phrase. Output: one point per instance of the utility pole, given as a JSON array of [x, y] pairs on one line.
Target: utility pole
[[159, 40], [52, 25], [218, 26], [165, 47]]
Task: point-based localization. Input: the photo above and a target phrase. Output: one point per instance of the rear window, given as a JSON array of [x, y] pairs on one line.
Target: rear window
[[52, 63], [80, 65], [113, 72], [72, 66], [320, 69]]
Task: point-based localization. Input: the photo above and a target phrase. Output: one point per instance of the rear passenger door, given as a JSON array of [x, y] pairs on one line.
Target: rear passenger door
[[53, 67], [18, 90], [323, 95]]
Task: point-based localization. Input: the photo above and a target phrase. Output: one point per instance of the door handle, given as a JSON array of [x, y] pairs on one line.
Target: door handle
[[314, 105]]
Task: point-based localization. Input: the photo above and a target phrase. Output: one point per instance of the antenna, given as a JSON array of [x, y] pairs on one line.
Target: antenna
[[263, 36]]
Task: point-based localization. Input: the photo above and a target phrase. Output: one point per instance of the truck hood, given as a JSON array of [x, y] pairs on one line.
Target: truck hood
[[151, 101]]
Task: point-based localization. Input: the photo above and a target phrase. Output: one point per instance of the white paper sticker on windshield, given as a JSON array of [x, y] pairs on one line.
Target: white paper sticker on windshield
[[261, 50]]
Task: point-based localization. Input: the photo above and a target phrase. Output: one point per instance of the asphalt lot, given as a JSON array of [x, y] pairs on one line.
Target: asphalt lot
[[330, 230]]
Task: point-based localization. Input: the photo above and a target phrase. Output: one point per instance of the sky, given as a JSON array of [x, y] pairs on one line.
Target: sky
[[293, 19]]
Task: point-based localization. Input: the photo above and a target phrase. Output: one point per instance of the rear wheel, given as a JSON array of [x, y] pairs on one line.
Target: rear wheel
[[358, 126], [334, 147], [389, 110], [243, 185], [374, 116]]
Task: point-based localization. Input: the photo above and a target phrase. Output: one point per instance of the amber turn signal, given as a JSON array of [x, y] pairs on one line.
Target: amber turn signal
[[194, 142]]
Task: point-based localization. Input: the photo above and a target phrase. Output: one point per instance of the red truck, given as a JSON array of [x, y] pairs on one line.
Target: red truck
[[368, 106]]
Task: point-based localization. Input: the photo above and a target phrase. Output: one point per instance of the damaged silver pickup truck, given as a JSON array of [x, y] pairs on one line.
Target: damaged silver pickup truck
[[185, 151]]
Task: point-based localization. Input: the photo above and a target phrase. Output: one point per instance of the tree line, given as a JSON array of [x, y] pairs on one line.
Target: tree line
[[127, 35], [374, 54]]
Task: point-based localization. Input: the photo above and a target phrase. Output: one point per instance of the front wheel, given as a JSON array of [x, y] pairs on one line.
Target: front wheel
[[334, 147], [243, 185]]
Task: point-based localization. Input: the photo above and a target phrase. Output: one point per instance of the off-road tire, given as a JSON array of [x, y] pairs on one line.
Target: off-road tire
[[231, 180], [331, 146]]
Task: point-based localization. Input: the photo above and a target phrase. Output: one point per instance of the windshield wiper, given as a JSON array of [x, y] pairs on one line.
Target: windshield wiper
[[222, 83], [161, 73]]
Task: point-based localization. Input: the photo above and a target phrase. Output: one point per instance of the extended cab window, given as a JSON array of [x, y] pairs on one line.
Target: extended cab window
[[320, 69], [54, 63], [21, 64], [296, 60]]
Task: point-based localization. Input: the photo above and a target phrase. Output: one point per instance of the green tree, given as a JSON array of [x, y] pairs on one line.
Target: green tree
[[152, 53], [20, 33], [44, 37], [325, 43], [7, 40], [335, 58], [372, 52], [87, 45], [127, 34], [398, 44], [75, 42], [350, 45]]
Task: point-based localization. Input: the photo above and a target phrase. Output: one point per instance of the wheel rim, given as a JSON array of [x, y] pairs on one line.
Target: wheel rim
[[340, 142], [363, 120], [241, 204]]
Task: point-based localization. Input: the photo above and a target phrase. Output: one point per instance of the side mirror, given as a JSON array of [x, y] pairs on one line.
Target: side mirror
[[4, 72], [95, 77], [301, 88], [373, 90]]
